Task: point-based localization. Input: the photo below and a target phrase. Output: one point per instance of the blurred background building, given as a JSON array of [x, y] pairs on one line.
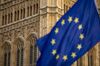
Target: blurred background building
[[23, 21]]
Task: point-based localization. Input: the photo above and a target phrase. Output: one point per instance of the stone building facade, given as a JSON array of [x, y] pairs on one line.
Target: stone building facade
[[23, 21]]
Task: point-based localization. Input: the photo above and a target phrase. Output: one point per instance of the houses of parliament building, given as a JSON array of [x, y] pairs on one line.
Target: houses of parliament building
[[22, 22]]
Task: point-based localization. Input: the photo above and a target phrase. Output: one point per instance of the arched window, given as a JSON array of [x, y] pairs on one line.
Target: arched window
[[27, 11], [20, 57], [33, 9], [23, 12], [7, 59], [37, 8], [8, 18], [11, 17], [7, 54], [30, 10], [20, 52], [3, 20], [33, 52], [15, 16]]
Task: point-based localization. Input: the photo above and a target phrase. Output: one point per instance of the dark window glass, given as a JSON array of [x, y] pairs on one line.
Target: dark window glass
[[11, 17], [35, 54], [2, 20], [15, 16], [5, 59], [31, 54], [23, 12], [20, 57], [36, 8], [9, 59], [5, 19], [27, 11], [30, 10], [8, 18]]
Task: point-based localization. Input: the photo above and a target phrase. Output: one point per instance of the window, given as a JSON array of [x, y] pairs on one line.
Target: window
[[30, 10], [33, 9], [37, 8], [3, 20], [20, 57], [15, 16], [8, 18], [7, 55], [27, 11], [20, 52], [11, 17], [9, 59], [5, 58], [33, 52], [23, 12]]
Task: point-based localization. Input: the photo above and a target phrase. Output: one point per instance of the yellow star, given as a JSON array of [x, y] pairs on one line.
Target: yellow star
[[54, 52], [65, 57], [56, 30], [70, 19], [79, 46], [81, 36], [63, 22], [80, 27], [53, 41], [76, 20], [57, 57], [73, 54]]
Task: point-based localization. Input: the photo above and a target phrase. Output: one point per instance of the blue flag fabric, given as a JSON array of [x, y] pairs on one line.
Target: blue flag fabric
[[77, 31]]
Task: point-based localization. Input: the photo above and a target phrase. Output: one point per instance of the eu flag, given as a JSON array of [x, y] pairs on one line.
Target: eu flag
[[77, 31]]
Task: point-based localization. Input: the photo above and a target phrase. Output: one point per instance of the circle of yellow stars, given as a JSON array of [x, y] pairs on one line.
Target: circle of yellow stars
[[81, 37]]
